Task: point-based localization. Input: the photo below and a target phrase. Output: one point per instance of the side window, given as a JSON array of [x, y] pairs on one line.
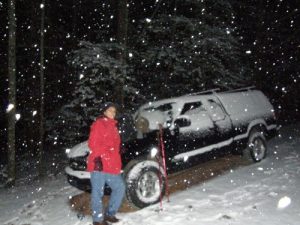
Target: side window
[[192, 108], [163, 108], [217, 111]]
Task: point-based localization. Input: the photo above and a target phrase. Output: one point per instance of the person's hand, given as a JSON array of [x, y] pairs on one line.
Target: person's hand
[[98, 164]]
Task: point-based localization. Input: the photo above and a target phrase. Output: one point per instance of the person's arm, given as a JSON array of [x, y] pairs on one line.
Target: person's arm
[[96, 140], [96, 145]]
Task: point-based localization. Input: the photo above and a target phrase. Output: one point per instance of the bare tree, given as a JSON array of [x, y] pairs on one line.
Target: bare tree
[[11, 110]]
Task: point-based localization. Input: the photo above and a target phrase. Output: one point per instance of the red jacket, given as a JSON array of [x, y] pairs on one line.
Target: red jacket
[[104, 141]]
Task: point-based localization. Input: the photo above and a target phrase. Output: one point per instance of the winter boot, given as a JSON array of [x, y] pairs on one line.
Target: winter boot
[[111, 219], [100, 223]]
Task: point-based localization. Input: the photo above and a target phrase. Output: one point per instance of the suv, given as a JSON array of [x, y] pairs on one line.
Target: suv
[[194, 126]]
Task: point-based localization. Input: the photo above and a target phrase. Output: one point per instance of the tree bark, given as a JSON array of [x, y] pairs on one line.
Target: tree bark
[[122, 30], [11, 110], [42, 94], [260, 52]]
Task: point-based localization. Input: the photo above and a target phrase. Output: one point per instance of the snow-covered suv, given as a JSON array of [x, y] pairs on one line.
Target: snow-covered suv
[[194, 126]]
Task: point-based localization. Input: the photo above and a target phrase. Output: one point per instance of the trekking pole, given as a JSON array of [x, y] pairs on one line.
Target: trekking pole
[[160, 183], [162, 148]]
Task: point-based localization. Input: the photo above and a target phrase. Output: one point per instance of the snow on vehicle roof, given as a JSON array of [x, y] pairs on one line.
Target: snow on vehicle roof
[[241, 104], [180, 99], [260, 100]]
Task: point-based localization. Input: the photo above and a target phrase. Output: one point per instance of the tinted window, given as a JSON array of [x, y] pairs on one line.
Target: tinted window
[[163, 108], [192, 108]]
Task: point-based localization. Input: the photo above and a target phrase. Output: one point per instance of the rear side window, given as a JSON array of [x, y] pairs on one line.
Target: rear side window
[[192, 108]]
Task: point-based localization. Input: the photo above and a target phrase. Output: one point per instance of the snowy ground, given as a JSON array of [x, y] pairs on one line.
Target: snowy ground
[[266, 193]]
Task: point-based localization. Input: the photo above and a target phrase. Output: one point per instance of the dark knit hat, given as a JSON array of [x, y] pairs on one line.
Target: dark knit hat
[[106, 105]]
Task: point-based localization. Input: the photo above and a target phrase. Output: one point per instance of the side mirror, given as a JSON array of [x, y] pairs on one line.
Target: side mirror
[[182, 122]]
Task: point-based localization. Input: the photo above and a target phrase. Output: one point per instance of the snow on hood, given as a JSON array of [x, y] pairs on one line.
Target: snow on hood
[[79, 150]]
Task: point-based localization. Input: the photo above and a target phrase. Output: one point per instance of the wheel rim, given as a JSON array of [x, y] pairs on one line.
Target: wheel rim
[[148, 186], [258, 149]]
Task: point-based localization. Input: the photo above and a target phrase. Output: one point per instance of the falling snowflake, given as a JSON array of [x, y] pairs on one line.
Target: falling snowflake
[[18, 116], [284, 202], [9, 107]]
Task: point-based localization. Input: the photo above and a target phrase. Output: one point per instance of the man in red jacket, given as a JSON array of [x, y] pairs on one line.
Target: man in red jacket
[[104, 163]]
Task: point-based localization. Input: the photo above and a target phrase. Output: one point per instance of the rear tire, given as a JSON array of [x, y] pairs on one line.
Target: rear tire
[[143, 184], [257, 147]]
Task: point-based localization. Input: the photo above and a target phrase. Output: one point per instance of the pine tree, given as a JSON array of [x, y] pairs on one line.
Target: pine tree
[[189, 47], [97, 74]]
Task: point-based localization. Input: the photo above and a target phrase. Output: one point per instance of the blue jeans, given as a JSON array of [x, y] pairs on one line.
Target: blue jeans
[[117, 185]]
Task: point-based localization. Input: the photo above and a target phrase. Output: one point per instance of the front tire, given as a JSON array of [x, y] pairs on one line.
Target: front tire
[[145, 183], [257, 147]]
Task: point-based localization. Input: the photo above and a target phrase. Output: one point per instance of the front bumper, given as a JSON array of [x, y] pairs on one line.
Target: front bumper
[[84, 185], [78, 174], [78, 179]]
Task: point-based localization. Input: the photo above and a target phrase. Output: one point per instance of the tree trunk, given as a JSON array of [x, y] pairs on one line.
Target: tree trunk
[[11, 110], [42, 95], [122, 24], [122, 29], [260, 53]]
